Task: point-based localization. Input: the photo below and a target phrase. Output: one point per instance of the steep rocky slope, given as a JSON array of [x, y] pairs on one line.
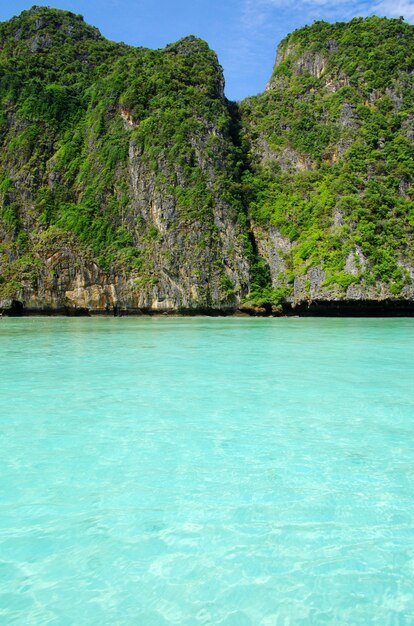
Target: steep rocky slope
[[118, 172], [331, 179], [129, 183]]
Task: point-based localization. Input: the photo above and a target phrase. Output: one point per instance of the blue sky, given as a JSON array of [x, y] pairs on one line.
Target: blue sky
[[244, 33]]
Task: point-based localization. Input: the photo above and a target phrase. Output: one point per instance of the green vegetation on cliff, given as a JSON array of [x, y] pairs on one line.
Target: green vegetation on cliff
[[115, 146], [332, 154], [127, 178]]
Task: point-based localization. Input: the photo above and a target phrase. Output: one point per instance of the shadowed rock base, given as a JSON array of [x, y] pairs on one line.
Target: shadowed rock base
[[352, 308], [11, 308], [317, 308]]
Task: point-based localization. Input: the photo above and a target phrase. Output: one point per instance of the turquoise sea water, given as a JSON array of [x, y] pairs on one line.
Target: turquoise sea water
[[207, 472]]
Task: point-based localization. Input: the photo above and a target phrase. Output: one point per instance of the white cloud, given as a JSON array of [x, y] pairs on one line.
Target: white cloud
[[259, 14], [255, 12], [391, 8]]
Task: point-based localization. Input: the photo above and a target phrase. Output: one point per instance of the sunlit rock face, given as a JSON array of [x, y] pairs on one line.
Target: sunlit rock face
[[331, 149]]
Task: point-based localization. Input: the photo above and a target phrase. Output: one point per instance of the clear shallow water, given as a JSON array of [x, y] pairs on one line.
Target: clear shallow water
[[200, 472]]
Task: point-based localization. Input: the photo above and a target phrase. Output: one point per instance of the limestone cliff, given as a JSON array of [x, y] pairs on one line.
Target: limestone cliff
[[129, 183], [332, 163], [119, 177]]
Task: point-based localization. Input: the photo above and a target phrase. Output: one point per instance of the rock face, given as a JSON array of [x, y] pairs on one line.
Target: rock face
[[331, 169], [128, 183], [130, 201], [192, 258]]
